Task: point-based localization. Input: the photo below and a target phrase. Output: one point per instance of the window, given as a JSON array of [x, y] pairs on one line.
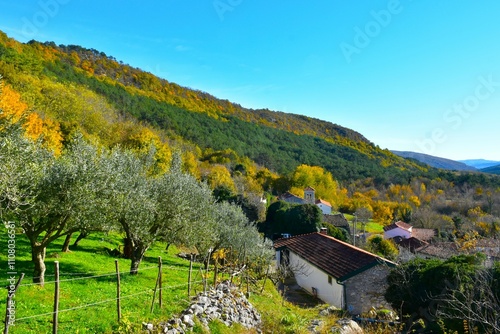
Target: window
[[330, 280]]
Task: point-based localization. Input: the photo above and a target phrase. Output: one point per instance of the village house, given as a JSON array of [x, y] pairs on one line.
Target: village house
[[336, 272], [309, 198]]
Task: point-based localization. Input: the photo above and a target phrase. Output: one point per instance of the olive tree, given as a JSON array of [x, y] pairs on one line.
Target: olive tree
[[234, 231], [69, 198], [131, 204], [22, 164]]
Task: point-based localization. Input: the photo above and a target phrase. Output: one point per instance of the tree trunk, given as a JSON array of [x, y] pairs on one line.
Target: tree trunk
[[38, 258], [137, 255], [128, 248], [65, 247], [79, 238]]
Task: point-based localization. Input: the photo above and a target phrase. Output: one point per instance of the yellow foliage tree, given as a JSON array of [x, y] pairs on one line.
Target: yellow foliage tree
[[322, 181], [15, 110], [11, 105], [383, 212], [218, 175], [142, 140], [190, 164]]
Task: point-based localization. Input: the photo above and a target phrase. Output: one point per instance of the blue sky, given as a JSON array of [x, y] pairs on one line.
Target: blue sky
[[415, 75]]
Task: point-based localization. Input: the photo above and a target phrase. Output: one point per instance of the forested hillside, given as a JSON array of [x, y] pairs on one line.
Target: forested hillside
[[242, 154], [77, 86]]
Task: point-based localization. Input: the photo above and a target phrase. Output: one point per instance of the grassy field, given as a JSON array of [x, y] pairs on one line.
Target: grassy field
[[88, 291], [371, 226], [88, 287]]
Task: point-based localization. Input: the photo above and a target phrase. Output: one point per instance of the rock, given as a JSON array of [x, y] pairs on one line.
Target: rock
[[347, 326], [147, 326], [224, 303], [188, 320]]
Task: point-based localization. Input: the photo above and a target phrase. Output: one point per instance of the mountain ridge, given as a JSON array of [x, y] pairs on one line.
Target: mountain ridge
[[434, 161], [480, 163]]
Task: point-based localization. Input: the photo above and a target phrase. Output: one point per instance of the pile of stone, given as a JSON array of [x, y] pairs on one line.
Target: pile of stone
[[224, 303]]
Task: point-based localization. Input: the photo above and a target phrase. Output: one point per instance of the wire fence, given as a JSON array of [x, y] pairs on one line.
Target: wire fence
[[99, 274]]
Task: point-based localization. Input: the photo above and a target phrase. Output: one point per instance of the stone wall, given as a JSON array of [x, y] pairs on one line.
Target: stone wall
[[224, 303], [366, 290]]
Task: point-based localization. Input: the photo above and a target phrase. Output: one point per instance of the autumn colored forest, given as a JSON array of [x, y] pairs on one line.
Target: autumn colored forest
[[244, 155]]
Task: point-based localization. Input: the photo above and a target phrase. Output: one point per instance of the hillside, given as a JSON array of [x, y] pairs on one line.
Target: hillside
[[87, 89], [492, 170], [480, 163], [434, 161]]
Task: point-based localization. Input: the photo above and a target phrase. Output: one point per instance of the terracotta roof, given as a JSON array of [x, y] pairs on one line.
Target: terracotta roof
[[443, 250], [337, 220], [337, 258], [323, 202], [310, 188], [412, 243], [397, 224], [289, 195]]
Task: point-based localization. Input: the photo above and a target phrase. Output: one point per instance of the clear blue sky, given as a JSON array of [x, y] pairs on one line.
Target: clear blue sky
[[419, 75]]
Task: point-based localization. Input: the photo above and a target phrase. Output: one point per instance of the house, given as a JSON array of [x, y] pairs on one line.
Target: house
[[407, 231], [309, 198], [398, 229], [325, 206], [336, 272]]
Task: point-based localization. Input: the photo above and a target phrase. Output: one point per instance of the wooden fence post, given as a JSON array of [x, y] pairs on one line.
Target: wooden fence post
[[9, 307], [118, 307], [56, 298], [158, 283], [190, 273], [160, 273]]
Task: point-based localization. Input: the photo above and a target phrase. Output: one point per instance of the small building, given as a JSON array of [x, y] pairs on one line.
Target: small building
[[325, 207], [398, 229], [336, 272]]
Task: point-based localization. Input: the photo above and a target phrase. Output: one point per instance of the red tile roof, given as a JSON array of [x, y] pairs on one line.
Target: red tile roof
[[412, 243], [397, 224], [323, 202], [337, 258]]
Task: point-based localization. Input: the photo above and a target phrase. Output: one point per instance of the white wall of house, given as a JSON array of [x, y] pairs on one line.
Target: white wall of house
[[309, 276], [327, 210], [397, 232]]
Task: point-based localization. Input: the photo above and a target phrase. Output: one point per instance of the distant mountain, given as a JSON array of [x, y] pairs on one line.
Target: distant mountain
[[492, 169], [480, 163], [435, 162]]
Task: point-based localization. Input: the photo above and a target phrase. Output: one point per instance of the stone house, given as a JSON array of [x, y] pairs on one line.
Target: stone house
[[336, 272]]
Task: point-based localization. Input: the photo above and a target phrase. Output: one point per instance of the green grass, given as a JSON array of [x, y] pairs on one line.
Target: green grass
[[371, 226], [92, 259]]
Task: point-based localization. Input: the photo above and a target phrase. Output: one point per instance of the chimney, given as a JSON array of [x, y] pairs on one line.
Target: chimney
[[323, 230]]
